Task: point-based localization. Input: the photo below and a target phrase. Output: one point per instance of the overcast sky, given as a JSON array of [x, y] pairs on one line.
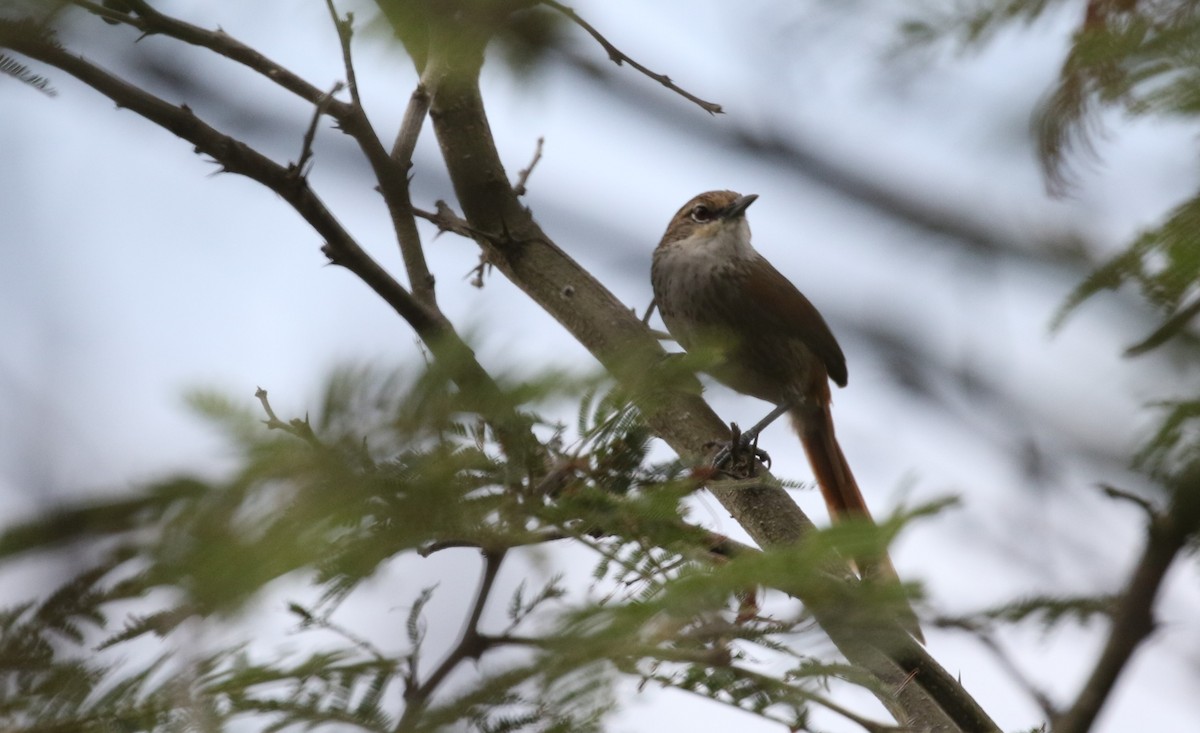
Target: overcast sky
[[132, 274]]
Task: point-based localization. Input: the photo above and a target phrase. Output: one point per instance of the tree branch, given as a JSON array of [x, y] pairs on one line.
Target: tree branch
[[151, 21], [237, 157], [523, 174], [619, 341], [619, 57], [470, 645], [1133, 620], [391, 172], [410, 127]]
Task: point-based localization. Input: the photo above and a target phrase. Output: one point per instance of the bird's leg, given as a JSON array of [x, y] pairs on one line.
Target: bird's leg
[[748, 439], [649, 312]]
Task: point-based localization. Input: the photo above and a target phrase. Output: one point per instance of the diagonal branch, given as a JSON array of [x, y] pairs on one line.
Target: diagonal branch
[[341, 248], [393, 181], [151, 21], [629, 351], [620, 57], [410, 127]]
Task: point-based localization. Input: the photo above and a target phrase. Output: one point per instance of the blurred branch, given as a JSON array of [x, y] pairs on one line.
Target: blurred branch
[[809, 158], [719, 547], [619, 57], [626, 347], [471, 645], [1167, 534], [1006, 662]]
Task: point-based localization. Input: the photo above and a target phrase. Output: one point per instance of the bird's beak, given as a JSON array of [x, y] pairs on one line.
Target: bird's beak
[[739, 206]]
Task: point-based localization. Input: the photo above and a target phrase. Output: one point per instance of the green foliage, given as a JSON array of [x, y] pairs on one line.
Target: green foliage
[[392, 466], [1048, 611], [1140, 59], [970, 24]]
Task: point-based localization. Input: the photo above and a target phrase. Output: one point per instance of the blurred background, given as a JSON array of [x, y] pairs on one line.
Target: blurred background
[[899, 189]]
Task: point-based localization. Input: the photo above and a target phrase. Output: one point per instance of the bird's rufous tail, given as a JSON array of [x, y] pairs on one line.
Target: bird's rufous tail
[[841, 492]]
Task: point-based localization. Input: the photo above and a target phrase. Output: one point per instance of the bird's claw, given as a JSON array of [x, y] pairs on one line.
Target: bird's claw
[[731, 452]]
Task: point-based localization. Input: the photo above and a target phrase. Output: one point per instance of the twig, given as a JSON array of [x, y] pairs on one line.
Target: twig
[[295, 427], [470, 645], [512, 429], [449, 544], [447, 221], [618, 57], [410, 127], [345, 31], [479, 271], [390, 170], [324, 622], [523, 175], [310, 134], [150, 21]]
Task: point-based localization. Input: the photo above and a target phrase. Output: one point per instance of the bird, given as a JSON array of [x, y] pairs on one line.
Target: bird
[[718, 296]]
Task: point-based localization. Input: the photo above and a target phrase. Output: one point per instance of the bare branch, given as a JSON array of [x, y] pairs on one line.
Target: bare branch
[[470, 645], [345, 31], [1133, 620], [236, 157], [619, 57], [410, 127], [301, 429], [151, 21], [390, 170], [523, 175], [310, 134]]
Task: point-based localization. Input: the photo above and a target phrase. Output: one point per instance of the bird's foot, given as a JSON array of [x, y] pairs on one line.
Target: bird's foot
[[743, 446]]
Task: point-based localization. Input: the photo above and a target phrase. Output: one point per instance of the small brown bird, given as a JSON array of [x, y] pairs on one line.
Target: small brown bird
[[717, 294]]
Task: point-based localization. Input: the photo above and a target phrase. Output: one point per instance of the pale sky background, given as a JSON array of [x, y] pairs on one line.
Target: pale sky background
[[131, 274]]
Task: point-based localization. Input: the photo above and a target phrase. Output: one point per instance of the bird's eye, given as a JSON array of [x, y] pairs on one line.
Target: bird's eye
[[701, 213]]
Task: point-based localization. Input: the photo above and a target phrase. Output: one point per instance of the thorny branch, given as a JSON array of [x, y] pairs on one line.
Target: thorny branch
[[616, 338], [341, 248], [236, 157], [619, 57], [310, 134], [150, 21]]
